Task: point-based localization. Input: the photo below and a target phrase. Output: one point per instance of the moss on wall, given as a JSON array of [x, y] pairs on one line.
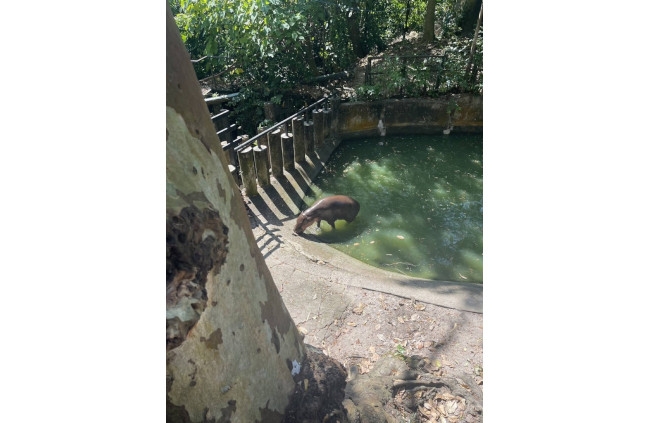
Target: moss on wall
[[411, 116]]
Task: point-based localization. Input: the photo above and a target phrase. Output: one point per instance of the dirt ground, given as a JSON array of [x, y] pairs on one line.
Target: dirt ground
[[382, 324], [436, 343]]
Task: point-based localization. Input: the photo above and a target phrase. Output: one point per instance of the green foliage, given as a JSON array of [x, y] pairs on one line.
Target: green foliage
[[287, 40], [368, 93], [268, 46], [400, 352], [175, 6], [452, 107], [397, 11], [447, 15], [242, 33], [454, 77], [398, 77], [248, 109], [402, 77], [265, 123], [276, 99], [262, 48]]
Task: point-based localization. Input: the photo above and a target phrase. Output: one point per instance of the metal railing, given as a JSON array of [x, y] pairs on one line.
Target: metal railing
[[251, 140]]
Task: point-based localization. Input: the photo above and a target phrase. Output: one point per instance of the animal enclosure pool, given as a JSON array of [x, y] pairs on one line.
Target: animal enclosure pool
[[421, 204]]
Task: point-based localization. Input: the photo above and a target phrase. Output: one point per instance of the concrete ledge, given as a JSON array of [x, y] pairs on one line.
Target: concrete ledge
[[456, 295], [411, 116]]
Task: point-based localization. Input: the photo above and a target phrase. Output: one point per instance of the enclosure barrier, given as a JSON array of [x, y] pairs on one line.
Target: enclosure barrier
[[261, 156], [247, 166], [319, 130], [298, 130], [277, 149], [309, 136], [348, 120], [227, 134]]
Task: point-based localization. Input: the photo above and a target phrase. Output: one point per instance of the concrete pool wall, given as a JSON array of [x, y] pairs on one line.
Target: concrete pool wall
[[410, 116]]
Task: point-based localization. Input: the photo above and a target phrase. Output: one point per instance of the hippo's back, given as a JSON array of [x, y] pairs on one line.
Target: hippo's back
[[341, 206]]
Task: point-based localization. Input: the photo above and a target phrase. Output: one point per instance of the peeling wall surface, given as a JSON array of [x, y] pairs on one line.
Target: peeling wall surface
[[411, 116], [231, 343]]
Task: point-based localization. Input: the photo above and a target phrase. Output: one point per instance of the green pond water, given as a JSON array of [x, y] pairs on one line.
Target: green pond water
[[421, 204]]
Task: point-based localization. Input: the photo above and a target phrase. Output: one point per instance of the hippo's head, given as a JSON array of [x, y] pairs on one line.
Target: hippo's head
[[303, 222]]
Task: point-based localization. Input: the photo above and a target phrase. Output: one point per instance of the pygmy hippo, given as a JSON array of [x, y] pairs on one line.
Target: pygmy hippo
[[328, 209]]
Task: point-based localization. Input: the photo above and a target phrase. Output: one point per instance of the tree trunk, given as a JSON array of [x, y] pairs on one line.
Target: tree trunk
[[406, 19], [468, 11], [429, 22], [354, 31], [473, 49], [312, 68], [231, 344]]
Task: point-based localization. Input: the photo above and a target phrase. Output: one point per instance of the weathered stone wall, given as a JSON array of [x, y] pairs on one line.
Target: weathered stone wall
[[411, 116]]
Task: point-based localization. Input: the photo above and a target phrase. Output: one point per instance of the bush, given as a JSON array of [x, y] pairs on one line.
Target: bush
[[422, 77]]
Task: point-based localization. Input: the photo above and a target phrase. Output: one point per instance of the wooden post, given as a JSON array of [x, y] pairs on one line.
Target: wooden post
[[298, 130], [247, 169], [262, 165], [275, 149], [287, 150], [264, 141], [225, 134], [334, 120], [233, 171], [220, 119], [234, 158], [368, 78], [309, 136], [327, 120], [228, 153], [319, 127]]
